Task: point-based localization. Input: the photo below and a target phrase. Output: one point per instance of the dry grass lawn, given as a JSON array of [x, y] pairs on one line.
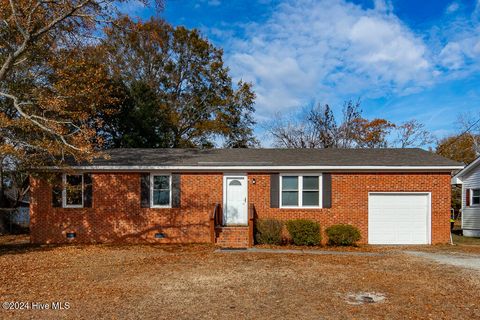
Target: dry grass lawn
[[194, 282]]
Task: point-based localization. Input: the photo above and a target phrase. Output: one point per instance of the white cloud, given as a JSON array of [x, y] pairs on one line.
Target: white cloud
[[460, 53], [326, 49], [453, 7], [383, 5], [452, 56]]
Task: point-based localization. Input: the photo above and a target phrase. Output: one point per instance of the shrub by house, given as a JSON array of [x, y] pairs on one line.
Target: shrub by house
[[342, 235], [304, 232], [269, 231]]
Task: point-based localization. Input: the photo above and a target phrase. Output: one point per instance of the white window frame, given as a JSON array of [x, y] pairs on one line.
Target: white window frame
[[64, 191], [300, 190], [169, 175], [471, 198]]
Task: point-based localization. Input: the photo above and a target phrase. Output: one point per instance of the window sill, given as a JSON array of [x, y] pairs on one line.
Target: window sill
[[160, 207]]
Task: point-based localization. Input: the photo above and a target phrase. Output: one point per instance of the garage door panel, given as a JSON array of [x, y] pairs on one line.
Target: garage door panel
[[389, 237], [396, 218]]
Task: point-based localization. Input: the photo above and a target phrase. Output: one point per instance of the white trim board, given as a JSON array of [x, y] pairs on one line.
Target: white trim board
[[300, 176], [258, 168], [64, 192], [429, 213], [157, 206], [237, 175], [457, 178]]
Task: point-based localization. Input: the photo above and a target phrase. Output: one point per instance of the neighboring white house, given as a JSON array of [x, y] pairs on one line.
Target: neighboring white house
[[469, 178]]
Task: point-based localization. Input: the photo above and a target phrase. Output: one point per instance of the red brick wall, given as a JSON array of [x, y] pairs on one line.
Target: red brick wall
[[350, 199], [116, 215]]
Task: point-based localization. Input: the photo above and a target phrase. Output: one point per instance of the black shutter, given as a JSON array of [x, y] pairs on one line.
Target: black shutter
[[145, 190], [57, 189], [467, 197], [176, 192], [326, 190], [88, 190], [274, 190]]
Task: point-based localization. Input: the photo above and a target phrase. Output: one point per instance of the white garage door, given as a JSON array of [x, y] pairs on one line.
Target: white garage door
[[398, 218]]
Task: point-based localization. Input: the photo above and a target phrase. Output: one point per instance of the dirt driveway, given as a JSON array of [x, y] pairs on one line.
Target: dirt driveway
[[195, 282]]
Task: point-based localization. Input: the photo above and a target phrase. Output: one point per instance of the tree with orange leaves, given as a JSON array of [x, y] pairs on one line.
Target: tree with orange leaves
[[371, 133], [51, 87], [458, 147]]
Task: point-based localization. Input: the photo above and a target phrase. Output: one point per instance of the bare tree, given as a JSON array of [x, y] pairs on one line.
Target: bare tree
[[293, 134], [325, 127], [412, 134], [316, 129], [319, 129], [347, 129], [470, 127]]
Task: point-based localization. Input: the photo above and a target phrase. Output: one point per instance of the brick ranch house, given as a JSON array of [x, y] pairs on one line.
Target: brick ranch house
[[393, 196]]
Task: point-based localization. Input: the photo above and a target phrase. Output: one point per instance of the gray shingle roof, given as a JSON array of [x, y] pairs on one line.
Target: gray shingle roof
[[273, 157]]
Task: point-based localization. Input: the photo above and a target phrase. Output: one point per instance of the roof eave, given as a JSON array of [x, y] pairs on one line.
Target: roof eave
[[255, 168], [467, 169]]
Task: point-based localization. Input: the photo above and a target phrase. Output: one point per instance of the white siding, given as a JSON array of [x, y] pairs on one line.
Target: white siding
[[470, 215]]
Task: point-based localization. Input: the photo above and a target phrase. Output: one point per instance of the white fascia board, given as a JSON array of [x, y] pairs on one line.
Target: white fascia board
[[456, 180], [468, 168], [261, 168]]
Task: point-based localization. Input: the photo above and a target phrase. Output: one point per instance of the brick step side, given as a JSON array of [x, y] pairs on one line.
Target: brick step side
[[232, 237]]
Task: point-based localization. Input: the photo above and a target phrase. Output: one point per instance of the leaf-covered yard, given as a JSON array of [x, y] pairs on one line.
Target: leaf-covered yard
[[191, 282]]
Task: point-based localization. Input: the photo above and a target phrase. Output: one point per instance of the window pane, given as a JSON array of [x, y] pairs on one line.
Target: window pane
[[310, 183], [161, 182], [235, 183], [74, 180], [289, 183], [73, 190], [310, 198], [161, 198], [476, 196], [290, 198], [74, 196]]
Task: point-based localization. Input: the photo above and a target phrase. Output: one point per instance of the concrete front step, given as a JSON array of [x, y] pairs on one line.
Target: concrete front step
[[231, 237]]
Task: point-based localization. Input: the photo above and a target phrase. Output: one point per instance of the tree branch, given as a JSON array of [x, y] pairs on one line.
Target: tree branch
[[31, 118]]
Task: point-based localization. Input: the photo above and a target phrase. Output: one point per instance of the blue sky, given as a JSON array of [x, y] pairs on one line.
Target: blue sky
[[403, 59]]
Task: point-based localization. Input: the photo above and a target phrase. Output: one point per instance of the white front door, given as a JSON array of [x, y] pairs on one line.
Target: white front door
[[235, 200]]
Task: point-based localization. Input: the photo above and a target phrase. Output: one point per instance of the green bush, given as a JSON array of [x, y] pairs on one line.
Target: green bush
[[342, 235], [268, 231], [304, 232]]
